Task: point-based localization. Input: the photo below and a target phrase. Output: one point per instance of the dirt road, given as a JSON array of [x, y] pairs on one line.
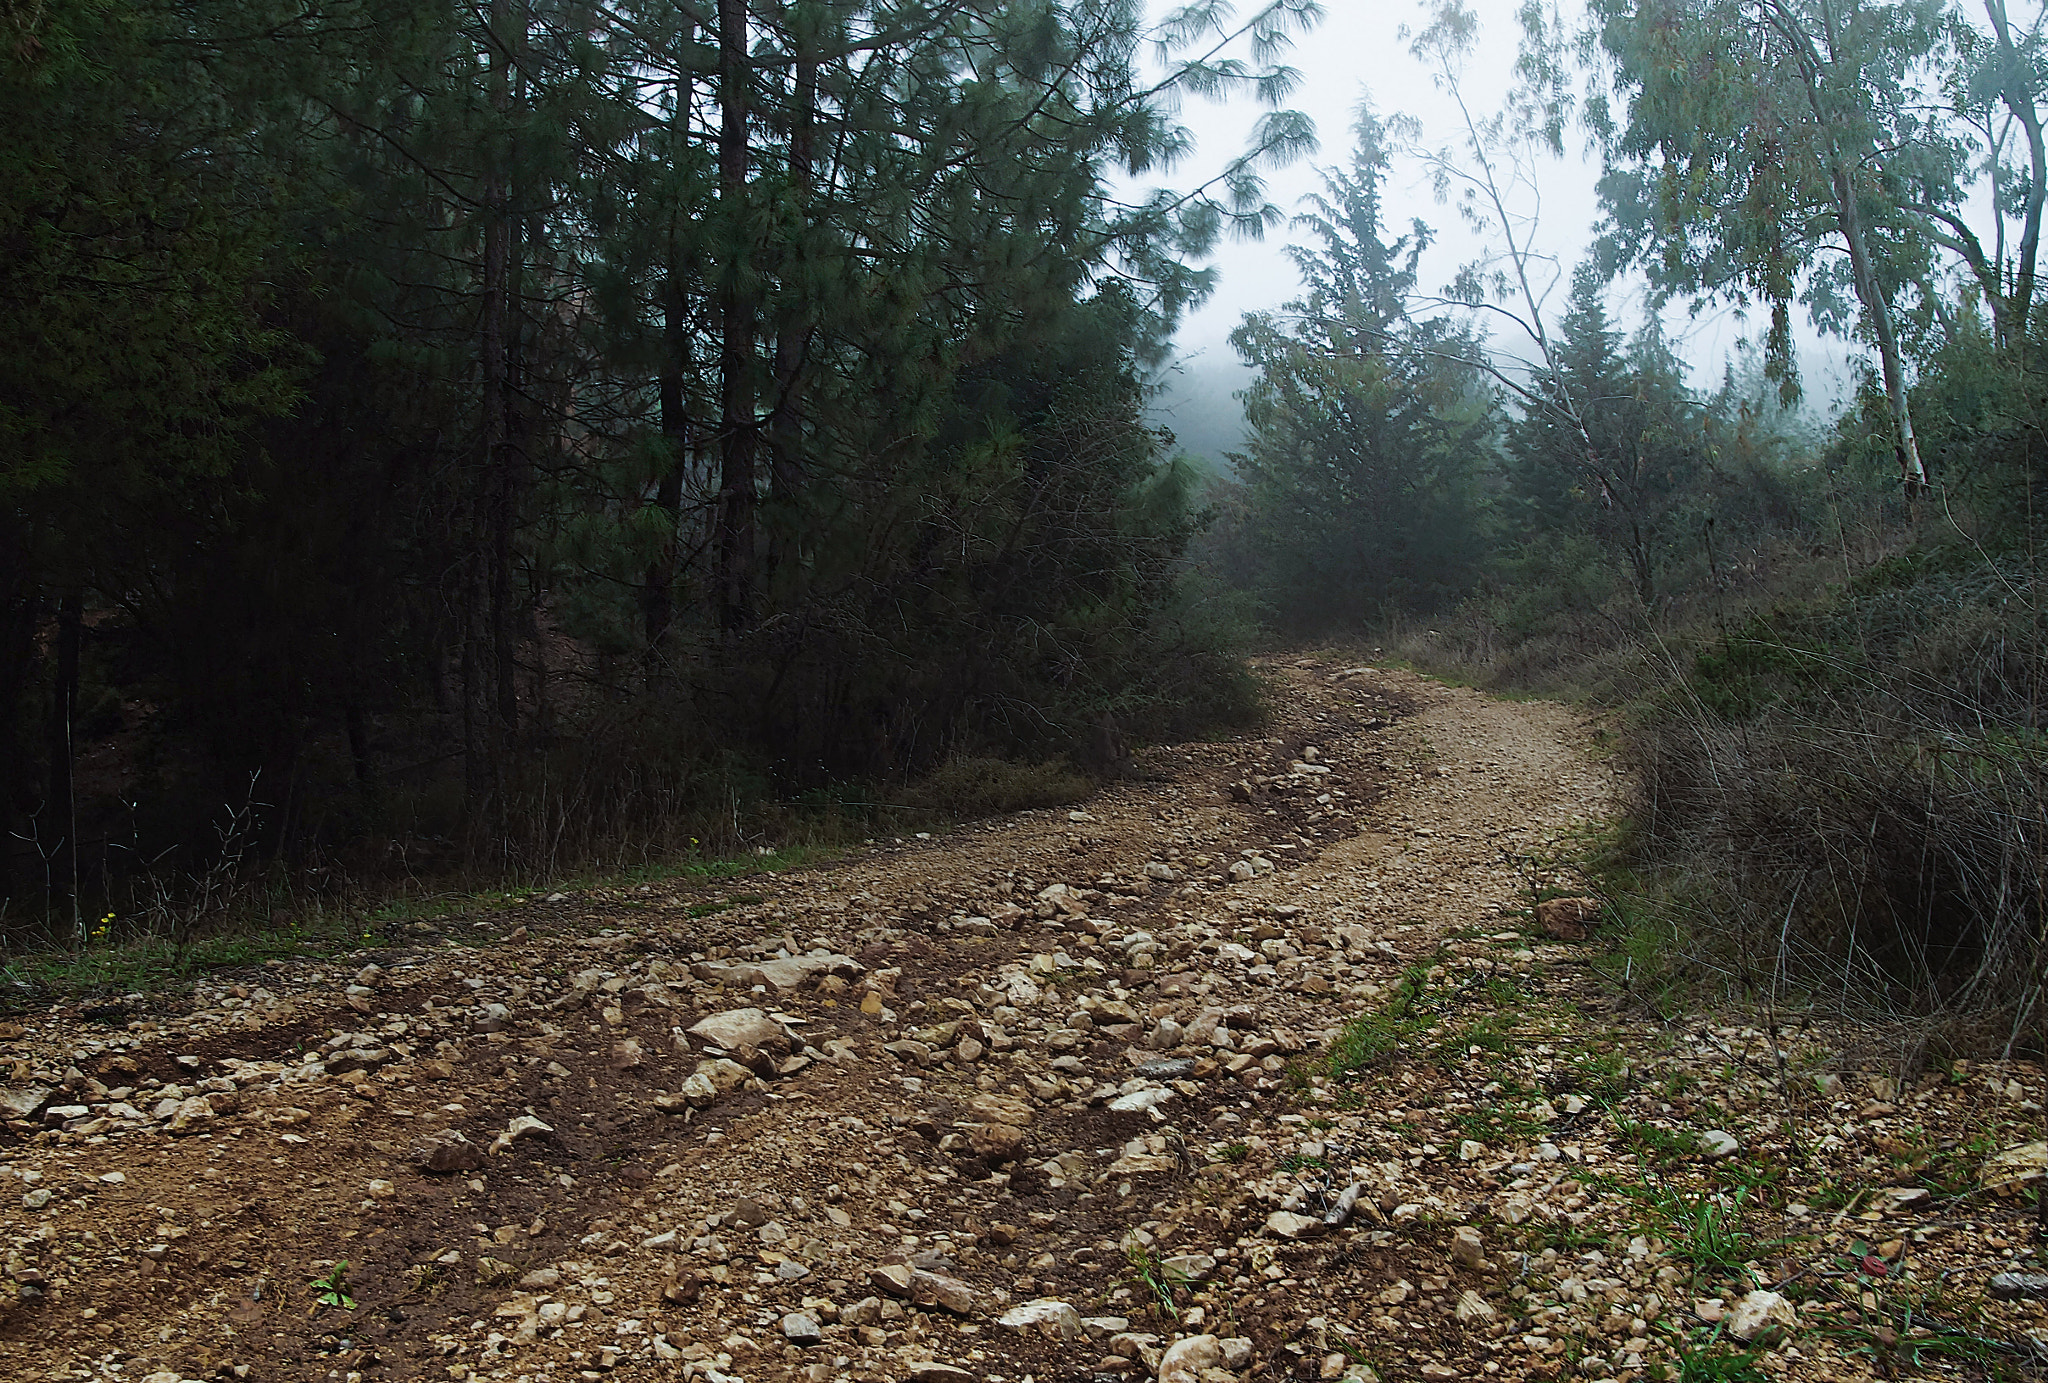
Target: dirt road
[[1036, 1099]]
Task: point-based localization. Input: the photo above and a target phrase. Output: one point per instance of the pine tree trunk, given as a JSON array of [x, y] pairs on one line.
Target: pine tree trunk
[[657, 598], [737, 425], [18, 615], [793, 335], [492, 708], [58, 829], [509, 468]]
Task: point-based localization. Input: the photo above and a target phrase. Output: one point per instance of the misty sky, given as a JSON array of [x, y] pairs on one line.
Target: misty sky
[[1357, 52]]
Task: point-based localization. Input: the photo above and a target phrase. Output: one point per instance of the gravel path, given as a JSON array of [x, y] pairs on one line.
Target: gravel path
[[1048, 1097]]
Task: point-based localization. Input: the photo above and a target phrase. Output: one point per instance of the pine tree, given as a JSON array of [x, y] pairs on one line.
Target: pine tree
[[1630, 401], [1367, 432]]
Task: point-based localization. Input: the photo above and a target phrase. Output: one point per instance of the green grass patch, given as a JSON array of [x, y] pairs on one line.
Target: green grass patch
[[1657, 1146], [1371, 1038], [1425, 1015], [1705, 1356]]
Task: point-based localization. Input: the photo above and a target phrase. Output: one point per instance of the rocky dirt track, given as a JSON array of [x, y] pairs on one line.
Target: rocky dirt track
[[1261, 1066]]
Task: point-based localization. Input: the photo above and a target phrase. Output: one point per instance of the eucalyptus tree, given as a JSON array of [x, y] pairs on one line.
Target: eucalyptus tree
[[1769, 148], [1994, 89]]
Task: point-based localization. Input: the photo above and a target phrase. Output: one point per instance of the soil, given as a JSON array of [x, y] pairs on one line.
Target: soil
[[960, 1107]]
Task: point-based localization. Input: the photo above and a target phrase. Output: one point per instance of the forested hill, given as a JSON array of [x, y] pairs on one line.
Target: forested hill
[[540, 424], [492, 440]]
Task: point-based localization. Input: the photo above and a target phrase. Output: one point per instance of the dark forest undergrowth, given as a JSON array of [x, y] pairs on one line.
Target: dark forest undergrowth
[[142, 928]]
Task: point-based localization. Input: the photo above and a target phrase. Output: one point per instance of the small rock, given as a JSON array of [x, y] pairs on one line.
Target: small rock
[[447, 1151], [722, 1074], [2019, 1286], [742, 1028], [1567, 919], [1468, 1250], [1286, 1224], [2007, 1173], [21, 1102], [522, 1127], [1054, 1319], [892, 1278], [936, 1289], [1140, 1101], [801, 1329], [1184, 1361], [1472, 1308], [38, 1198], [931, 1371], [196, 1110], [1000, 1109], [1165, 1037], [1718, 1144], [1761, 1315]]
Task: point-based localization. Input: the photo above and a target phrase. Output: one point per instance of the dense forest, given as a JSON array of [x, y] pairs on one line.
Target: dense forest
[[520, 434], [514, 430]]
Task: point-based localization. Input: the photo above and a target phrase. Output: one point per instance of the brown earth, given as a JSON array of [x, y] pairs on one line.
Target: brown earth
[[965, 1089]]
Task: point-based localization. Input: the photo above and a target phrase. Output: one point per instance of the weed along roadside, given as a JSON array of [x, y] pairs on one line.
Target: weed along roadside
[[1291, 1056]]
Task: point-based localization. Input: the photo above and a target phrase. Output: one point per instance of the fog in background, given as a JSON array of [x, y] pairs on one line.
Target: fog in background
[[1357, 54]]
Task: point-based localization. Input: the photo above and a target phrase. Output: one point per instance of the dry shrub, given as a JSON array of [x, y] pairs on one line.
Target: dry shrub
[[1848, 808]]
